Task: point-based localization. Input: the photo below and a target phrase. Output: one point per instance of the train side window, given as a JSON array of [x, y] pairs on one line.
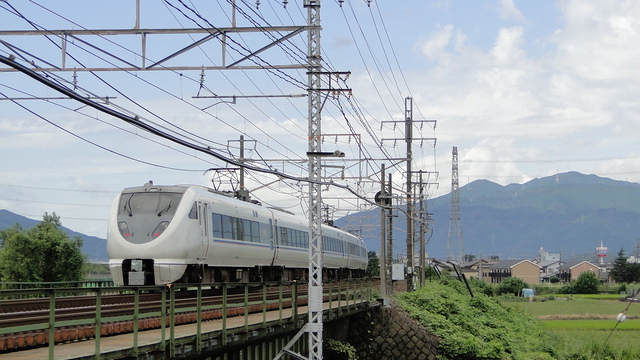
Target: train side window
[[246, 230], [193, 213], [265, 233], [255, 231], [305, 239], [227, 227], [290, 237], [283, 236], [216, 221], [237, 229]]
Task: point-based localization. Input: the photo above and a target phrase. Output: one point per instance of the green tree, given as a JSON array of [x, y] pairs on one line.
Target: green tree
[[586, 283], [43, 253], [633, 272], [511, 285], [620, 267], [373, 267]]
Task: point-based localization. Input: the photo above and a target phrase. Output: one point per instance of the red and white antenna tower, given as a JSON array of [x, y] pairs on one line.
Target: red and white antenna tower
[[601, 252]]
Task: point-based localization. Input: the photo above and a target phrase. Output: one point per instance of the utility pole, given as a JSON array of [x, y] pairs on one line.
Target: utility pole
[[423, 219], [243, 193], [386, 235], [383, 238], [314, 325], [455, 227], [389, 260], [408, 138], [408, 135], [422, 233]]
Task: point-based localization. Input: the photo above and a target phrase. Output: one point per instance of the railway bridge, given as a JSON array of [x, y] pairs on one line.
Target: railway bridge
[[203, 321]]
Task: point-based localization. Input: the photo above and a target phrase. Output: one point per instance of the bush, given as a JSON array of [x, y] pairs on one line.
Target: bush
[[478, 285], [478, 327], [339, 350], [622, 288], [586, 283], [511, 285]]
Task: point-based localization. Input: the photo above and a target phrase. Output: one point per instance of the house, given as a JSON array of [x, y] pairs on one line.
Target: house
[[526, 270], [549, 268], [473, 269], [571, 270]]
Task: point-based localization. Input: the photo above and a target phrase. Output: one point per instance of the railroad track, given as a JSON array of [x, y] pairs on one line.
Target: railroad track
[[14, 313]]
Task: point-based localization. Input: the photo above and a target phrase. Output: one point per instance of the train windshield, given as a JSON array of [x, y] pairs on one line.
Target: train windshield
[[159, 203]]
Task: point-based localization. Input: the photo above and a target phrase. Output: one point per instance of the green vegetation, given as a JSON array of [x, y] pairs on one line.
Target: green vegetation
[[43, 253], [578, 307], [591, 324], [476, 328], [562, 327], [373, 267], [586, 283], [339, 350], [511, 285], [624, 271], [586, 328]]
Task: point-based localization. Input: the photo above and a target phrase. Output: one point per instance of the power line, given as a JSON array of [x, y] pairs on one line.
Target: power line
[[59, 189], [135, 121]]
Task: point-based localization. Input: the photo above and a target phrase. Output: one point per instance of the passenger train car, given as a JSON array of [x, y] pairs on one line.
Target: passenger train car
[[188, 233]]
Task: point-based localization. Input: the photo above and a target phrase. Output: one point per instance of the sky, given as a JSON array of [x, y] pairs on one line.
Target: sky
[[523, 89]]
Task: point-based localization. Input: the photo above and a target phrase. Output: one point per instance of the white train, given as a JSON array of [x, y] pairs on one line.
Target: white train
[[188, 233]]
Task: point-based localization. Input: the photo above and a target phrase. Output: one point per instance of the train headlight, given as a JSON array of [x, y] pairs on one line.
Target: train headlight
[[159, 229], [124, 229]]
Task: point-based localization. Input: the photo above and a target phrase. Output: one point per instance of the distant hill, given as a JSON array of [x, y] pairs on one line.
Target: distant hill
[[94, 247], [569, 213]]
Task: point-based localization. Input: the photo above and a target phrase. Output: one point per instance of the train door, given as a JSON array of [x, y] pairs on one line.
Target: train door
[[205, 229], [275, 241]]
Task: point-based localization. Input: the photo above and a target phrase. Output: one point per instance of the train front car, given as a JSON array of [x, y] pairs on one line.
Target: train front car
[[153, 235]]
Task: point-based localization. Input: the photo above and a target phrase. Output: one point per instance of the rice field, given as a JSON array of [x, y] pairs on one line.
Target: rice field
[[586, 328]]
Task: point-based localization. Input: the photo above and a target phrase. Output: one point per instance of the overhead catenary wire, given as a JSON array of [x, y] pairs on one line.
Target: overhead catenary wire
[[163, 90], [346, 113], [96, 144], [136, 122], [107, 123]]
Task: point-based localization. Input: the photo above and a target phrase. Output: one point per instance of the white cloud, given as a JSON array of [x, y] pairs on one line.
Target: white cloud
[[508, 11], [507, 48], [435, 47]]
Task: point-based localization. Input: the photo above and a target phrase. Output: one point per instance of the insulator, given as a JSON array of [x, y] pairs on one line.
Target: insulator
[[257, 4], [75, 79], [340, 2], [284, 3]]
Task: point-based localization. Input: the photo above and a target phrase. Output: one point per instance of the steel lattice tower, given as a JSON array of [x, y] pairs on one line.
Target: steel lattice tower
[[455, 228]]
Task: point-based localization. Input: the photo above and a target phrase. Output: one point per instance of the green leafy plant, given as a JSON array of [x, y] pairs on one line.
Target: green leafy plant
[[511, 285], [339, 350], [475, 328]]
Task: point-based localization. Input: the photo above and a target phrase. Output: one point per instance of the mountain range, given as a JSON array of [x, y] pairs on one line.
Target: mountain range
[[568, 213]]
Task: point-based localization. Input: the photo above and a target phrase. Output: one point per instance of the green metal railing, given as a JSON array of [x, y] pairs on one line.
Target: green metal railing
[[340, 295], [88, 284]]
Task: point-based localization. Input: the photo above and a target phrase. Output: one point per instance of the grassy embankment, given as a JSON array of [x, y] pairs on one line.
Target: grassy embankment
[[476, 328]]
